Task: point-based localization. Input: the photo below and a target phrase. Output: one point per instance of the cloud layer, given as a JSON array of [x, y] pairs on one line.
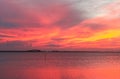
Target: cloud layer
[[59, 24]]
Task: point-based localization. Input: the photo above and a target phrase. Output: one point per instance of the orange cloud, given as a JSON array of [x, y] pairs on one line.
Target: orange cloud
[[60, 26]]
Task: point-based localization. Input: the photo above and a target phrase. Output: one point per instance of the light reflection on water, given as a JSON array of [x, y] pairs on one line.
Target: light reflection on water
[[59, 65]]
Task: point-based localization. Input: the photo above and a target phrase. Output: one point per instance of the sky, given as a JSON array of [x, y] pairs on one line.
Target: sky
[[60, 24]]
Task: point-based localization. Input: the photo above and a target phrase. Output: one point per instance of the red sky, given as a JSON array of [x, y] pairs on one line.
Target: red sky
[[60, 24]]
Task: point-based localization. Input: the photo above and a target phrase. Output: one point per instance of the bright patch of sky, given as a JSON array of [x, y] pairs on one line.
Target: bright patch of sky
[[92, 8]]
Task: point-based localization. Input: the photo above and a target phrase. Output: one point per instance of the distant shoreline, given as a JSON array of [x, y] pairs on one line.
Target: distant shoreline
[[40, 51]]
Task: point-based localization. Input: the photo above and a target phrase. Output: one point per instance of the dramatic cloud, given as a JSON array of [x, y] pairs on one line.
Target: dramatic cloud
[[60, 24]]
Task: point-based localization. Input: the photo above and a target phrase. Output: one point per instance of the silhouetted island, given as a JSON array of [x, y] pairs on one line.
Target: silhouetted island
[[33, 50]]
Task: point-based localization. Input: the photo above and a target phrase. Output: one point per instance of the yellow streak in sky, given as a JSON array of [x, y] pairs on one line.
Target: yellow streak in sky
[[109, 34]]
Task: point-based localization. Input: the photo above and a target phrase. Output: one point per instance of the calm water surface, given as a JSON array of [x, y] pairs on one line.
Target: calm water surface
[[60, 65]]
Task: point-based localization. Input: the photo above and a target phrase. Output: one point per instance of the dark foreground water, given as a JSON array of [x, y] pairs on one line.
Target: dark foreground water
[[60, 65]]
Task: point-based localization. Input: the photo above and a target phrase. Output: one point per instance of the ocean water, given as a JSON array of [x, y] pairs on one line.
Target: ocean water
[[59, 65]]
